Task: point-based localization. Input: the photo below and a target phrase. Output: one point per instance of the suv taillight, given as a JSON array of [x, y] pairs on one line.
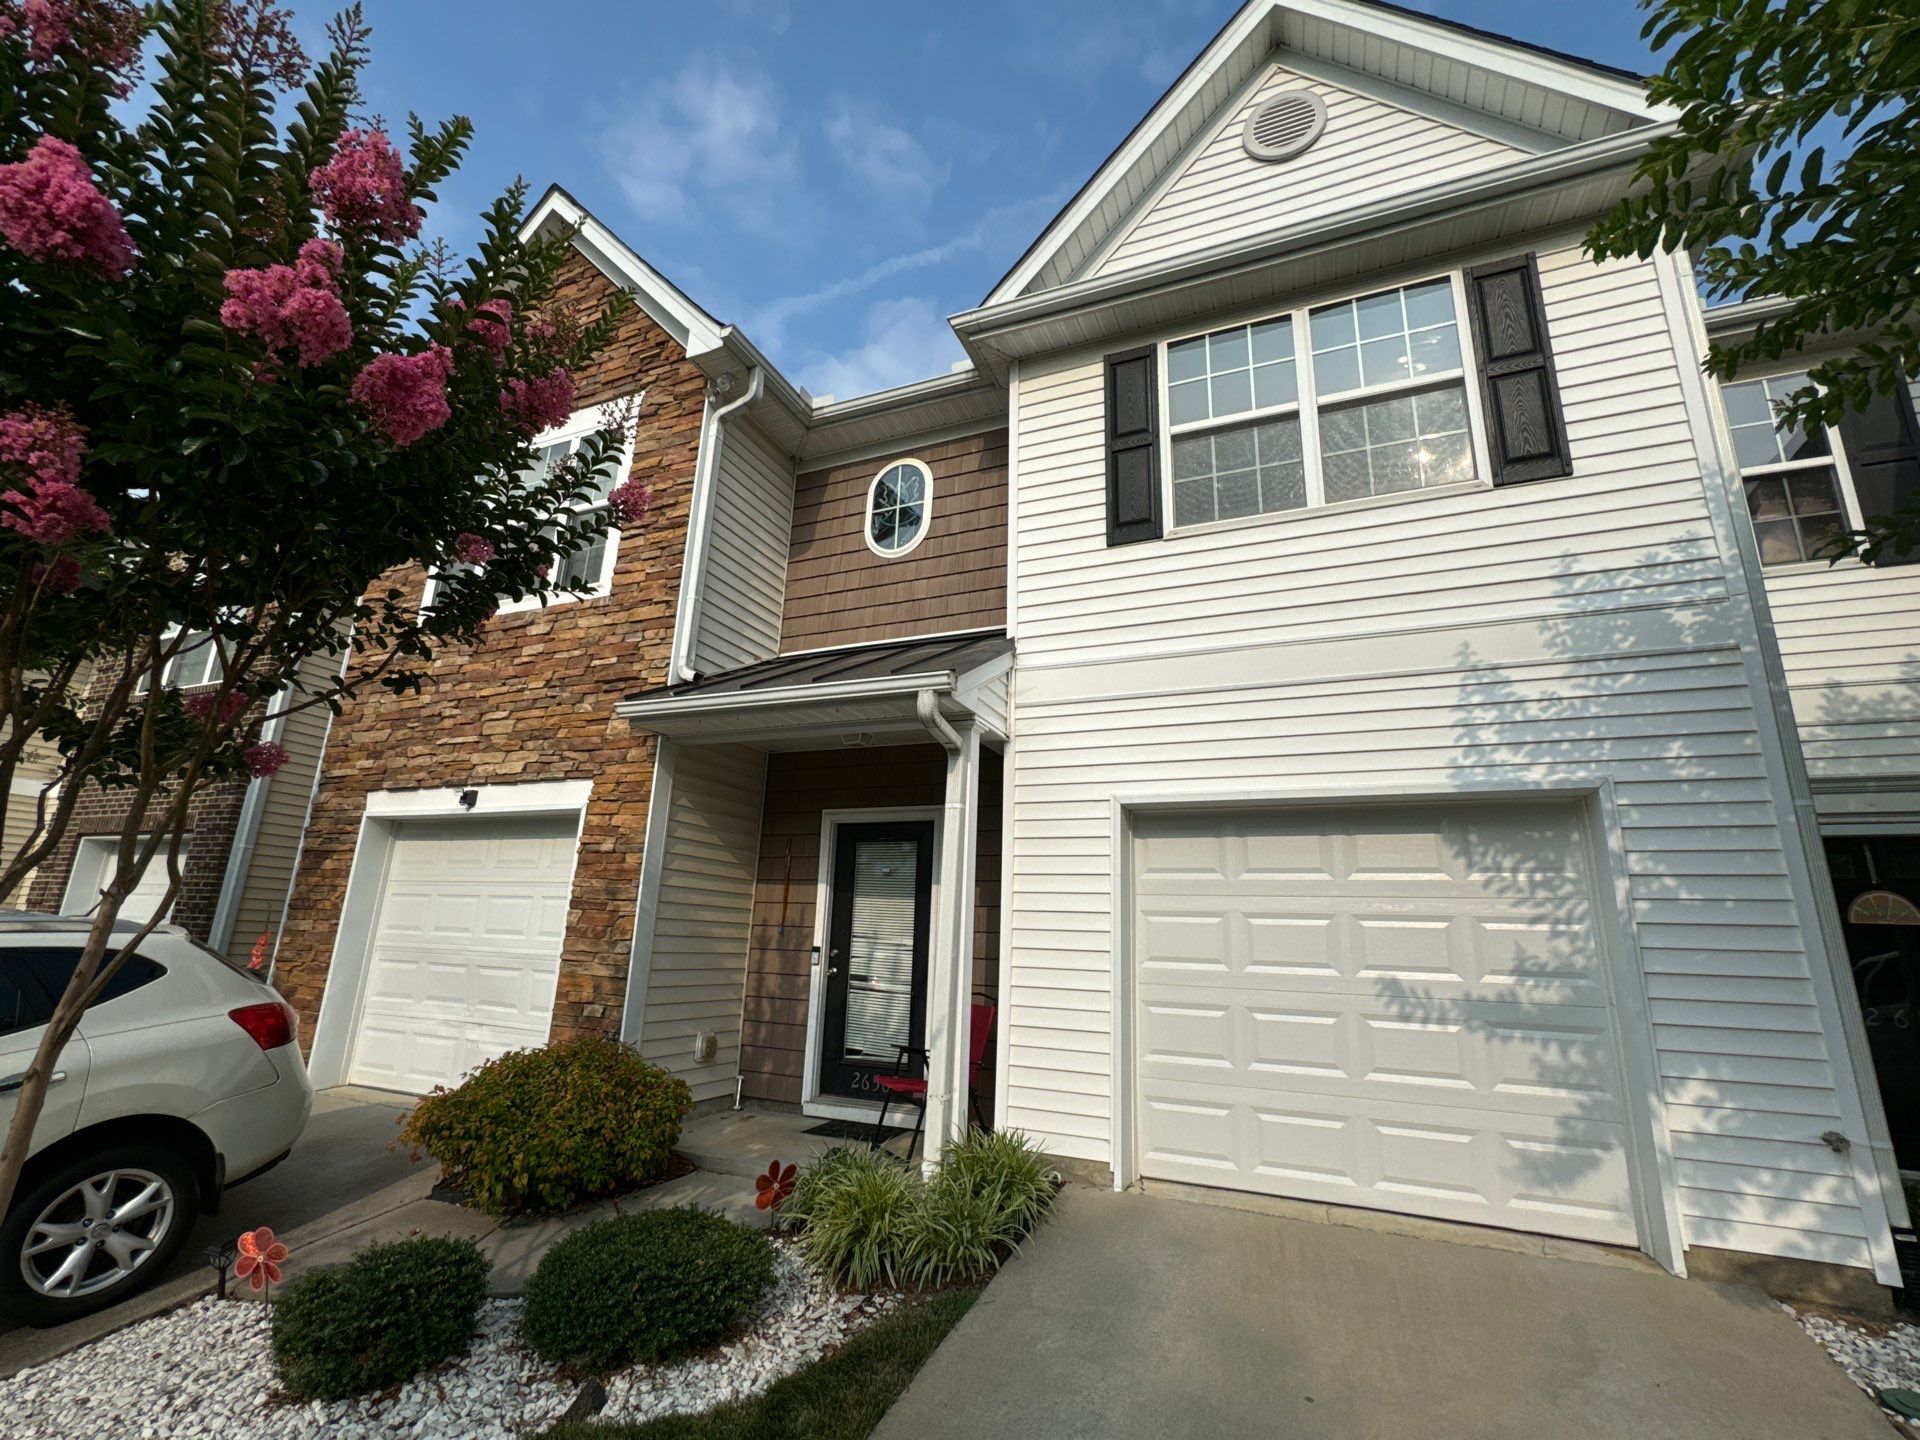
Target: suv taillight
[[270, 1024]]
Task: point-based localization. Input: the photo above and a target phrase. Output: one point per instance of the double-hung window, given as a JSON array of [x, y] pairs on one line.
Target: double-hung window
[[1791, 475], [591, 566], [198, 660], [1363, 398]]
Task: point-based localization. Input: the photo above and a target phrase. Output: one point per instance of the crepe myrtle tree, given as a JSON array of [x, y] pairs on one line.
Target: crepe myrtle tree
[[235, 392], [1793, 174]]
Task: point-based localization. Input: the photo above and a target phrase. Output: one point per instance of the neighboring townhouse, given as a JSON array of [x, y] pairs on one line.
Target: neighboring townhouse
[[1307, 685], [33, 781], [1849, 638], [241, 839]]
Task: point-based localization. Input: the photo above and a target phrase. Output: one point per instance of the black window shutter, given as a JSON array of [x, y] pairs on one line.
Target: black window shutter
[[1883, 456], [1133, 447], [1527, 437]]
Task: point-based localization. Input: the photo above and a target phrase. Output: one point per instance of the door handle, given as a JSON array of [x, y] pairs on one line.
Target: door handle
[[17, 1082]]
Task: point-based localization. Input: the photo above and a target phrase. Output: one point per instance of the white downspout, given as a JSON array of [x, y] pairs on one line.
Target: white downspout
[[706, 480], [951, 964]]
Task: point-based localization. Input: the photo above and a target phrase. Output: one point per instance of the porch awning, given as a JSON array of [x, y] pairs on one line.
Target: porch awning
[[853, 695]]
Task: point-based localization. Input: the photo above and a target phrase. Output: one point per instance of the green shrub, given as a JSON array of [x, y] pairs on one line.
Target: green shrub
[[544, 1130], [865, 1220], [645, 1287], [387, 1314]]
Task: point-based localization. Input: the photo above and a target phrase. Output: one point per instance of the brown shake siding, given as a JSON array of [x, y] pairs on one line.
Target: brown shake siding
[[800, 785], [840, 593], [533, 701]]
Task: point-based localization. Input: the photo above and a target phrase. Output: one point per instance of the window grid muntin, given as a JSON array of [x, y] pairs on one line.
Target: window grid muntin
[[1311, 402], [1831, 462], [908, 494]]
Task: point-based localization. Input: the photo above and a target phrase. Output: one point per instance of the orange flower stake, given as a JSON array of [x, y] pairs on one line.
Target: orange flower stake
[[259, 1260], [774, 1186]]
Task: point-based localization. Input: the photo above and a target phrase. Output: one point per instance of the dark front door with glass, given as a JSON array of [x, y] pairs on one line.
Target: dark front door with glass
[[1876, 879], [875, 997]]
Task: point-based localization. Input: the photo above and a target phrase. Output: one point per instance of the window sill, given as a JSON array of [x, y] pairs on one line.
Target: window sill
[[1341, 507], [531, 604]]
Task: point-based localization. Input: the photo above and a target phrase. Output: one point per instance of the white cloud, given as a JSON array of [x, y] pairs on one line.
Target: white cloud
[[883, 157], [772, 16], [901, 340], [715, 132], [1003, 227]]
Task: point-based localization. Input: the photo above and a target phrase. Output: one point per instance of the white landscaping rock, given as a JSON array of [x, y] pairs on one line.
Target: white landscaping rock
[[1888, 1361], [205, 1370]]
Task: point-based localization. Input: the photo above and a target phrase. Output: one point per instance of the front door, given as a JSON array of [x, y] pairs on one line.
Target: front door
[[1876, 879], [875, 1000]]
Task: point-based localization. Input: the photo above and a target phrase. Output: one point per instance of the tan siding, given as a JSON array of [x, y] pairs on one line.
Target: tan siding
[[39, 762], [1369, 151], [800, 785], [747, 553], [704, 910], [840, 593]]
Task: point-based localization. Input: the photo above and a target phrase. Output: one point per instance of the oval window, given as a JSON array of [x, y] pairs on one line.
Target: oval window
[[897, 507]]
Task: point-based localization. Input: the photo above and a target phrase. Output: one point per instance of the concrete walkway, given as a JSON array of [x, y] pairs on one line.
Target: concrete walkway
[[1147, 1316]]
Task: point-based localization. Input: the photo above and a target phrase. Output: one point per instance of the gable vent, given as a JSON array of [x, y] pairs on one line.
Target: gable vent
[[1285, 126]]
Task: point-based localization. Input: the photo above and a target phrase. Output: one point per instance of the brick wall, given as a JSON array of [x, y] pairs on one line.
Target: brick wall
[[533, 701], [211, 820]]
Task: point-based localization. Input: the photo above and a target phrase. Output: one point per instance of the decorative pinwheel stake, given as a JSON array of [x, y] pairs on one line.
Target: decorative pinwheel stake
[[259, 1262], [773, 1187]]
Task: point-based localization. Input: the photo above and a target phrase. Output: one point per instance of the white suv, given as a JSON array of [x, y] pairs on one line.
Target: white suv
[[182, 1079]]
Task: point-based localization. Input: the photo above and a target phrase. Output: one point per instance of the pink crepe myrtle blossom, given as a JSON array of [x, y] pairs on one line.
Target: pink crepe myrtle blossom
[[264, 759], [630, 501], [45, 443], [292, 307], [472, 549], [200, 706], [51, 209], [58, 576], [492, 326], [542, 404], [363, 188], [406, 394], [100, 33]]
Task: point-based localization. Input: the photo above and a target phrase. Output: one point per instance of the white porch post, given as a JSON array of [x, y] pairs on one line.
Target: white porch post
[[950, 958]]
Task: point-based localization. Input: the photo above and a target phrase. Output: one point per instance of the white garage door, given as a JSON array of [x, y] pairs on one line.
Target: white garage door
[[466, 948], [1403, 1008], [94, 859]]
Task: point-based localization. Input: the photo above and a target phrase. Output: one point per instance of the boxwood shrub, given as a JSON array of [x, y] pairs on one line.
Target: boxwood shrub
[[645, 1287], [387, 1314], [538, 1131]]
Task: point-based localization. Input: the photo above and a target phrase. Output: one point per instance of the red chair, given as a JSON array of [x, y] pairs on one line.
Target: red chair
[[913, 1089]]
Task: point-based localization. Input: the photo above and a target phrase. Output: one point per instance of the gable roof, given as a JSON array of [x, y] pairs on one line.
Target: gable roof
[[1507, 87]]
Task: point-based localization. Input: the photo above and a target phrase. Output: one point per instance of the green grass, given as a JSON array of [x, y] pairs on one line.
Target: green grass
[[840, 1398]]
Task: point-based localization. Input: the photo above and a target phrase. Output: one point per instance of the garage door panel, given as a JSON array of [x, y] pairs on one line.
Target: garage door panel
[[1406, 1010], [465, 957]]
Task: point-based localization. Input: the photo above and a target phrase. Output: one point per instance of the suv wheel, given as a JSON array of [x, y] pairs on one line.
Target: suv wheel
[[94, 1231]]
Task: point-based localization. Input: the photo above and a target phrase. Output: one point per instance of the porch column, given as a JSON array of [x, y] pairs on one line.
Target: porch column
[[950, 961]]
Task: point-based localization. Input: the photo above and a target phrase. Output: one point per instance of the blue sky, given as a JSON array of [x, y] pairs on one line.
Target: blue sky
[[835, 176]]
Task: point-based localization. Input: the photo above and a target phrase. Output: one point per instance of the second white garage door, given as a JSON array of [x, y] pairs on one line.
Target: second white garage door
[[466, 948], [1404, 1009]]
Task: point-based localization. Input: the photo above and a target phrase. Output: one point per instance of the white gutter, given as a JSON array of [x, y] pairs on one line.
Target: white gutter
[[927, 705], [246, 831], [699, 704], [706, 479]]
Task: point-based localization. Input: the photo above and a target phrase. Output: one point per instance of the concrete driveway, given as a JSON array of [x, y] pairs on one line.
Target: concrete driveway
[[1150, 1316], [340, 1173]]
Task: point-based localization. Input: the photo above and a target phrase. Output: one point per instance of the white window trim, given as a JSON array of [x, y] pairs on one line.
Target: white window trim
[[172, 666], [926, 507], [1307, 406], [1835, 460], [579, 425]]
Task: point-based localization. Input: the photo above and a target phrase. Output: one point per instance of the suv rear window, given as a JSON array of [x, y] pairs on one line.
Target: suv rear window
[[32, 978]]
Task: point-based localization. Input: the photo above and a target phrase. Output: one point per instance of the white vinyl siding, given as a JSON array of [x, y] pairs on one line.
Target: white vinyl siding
[[1569, 632], [1371, 150], [746, 578], [704, 913]]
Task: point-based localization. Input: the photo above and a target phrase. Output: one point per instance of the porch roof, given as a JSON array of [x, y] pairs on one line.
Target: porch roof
[[853, 694]]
